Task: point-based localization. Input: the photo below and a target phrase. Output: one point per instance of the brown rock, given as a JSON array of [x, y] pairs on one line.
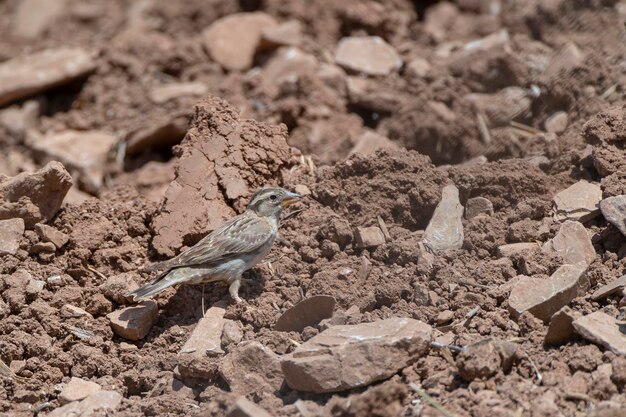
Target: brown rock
[[609, 289], [222, 161], [288, 33], [561, 329], [118, 286], [232, 41], [31, 18], [368, 94], [578, 202], [11, 232], [544, 297], [18, 119], [444, 317], [603, 330], [86, 152], [368, 237], [369, 142], [308, 312], [484, 359], [50, 234], [31, 74], [163, 133], [232, 333], [502, 107], [350, 356], [204, 343], [42, 247], [418, 68], [478, 206], [77, 389], [134, 323], [370, 55], [556, 123], [565, 60], [35, 197], [70, 311], [445, 229], [167, 92], [614, 211], [246, 408], [92, 406], [573, 243], [252, 368], [513, 249]]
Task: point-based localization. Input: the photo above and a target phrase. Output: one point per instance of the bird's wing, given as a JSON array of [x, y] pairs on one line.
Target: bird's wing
[[238, 236]]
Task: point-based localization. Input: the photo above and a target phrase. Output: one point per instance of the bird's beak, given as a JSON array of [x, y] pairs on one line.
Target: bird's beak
[[290, 198]]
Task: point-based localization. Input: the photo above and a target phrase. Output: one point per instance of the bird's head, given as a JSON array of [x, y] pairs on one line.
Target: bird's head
[[269, 202]]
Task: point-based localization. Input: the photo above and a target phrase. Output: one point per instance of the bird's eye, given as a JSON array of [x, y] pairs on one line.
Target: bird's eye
[[273, 197]]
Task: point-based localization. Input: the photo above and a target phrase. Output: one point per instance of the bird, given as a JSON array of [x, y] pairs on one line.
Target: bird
[[228, 251]]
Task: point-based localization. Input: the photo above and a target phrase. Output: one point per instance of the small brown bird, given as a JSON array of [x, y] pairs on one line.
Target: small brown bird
[[227, 252]]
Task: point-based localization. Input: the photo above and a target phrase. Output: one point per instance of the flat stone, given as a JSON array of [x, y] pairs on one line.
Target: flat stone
[[308, 312], [369, 142], [252, 368], [573, 243], [135, 322], [609, 289], [42, 247], [566, 59], [370, 55], [556, 123], [578, 202], [369, 237], [502, 107], [204, 343], [11, 232], [50, 234], [368, 94], [246, 408], [561, 329], [350, 356], [484, 359], [34, 287], [232, 333], [614, 211], [478, 206], [77, 389], [513, 249], [167, 92], [38, 72], [603, 330], [35, 197], [84, 151], [31, 18], [96, 404], [544, 297], [232, 41], [445, 229], [288, 33], [70, 311]]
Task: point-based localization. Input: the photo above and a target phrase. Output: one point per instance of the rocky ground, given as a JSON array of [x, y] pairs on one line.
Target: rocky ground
[[460, 250]]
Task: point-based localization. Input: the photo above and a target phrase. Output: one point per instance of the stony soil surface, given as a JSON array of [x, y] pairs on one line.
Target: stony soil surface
[[461, 246]]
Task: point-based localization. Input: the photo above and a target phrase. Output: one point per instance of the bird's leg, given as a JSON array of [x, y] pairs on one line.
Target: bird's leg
[[203, 300], [233, 290]]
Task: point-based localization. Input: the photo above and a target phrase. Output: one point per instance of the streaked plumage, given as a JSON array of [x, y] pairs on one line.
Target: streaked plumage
[[227, 252]]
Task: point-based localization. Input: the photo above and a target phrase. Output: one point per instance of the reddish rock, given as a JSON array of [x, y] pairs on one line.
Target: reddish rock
[[167, 92], [614, 211], [246, 408], [485, 359], [602, 329], [566, 59], [31, 18], [77, 389], [52, 235], [351, 356], [513, 249], [369, 142], [609, 289], [94, 405], [42, 247], [445, 229], [34, 197], [478, 206], [86, 152], [370, 55], [232, 41], [308, 312], [135, 322], [11, 232], [252, 368], [221, 162], [18, 119], [70, 311], [544, 297], [232, 333], [418, 68], [556, 123], [288, 33], [572, 242], [561, 329], [31, 74], [203, 344], [578, 202], [368, 237]]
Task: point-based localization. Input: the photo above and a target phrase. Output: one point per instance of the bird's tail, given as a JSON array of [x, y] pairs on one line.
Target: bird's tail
[[155, 287]]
